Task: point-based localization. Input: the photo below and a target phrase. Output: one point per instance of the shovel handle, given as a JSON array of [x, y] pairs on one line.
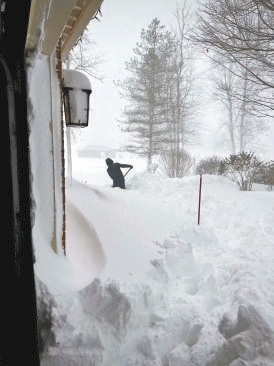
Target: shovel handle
[[127, 171]]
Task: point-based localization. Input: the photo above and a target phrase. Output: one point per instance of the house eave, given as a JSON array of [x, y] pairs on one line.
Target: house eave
[[65, 20]]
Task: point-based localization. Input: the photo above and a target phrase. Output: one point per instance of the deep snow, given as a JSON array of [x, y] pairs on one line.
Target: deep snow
[[143, 284]]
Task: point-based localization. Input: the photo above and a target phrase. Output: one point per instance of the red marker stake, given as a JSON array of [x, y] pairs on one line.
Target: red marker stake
[[200, 193]]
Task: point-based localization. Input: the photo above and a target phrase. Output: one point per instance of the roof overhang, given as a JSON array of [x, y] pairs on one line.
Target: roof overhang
[[54, 20]]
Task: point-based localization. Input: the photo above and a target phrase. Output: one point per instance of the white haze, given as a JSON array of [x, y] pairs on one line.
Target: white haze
[[115, 36], [142, 284]]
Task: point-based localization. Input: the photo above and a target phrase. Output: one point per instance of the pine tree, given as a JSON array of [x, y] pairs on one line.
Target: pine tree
[[147, 90], [159, 94]]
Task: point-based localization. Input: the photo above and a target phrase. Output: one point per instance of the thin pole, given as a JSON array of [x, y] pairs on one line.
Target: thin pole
[[127, 171], [200, 193]]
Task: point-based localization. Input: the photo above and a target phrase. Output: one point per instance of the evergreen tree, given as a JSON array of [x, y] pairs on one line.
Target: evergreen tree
[[158, 90], [147, 90]]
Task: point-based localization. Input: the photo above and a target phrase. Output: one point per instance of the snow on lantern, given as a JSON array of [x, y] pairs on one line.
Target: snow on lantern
[[76, 89]]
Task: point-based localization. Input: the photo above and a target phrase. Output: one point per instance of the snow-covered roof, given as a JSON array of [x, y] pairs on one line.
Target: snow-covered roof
[[51, 20]]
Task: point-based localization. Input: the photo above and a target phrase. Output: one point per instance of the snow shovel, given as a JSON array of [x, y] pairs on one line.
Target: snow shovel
[[127, 172]]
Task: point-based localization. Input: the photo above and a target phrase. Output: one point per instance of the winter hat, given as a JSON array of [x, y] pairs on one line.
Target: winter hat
[[109, 161]]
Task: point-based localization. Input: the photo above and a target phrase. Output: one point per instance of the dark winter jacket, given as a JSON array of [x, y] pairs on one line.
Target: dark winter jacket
[[115, 173]]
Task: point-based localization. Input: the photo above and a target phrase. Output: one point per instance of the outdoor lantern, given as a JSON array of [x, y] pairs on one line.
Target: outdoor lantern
[[76, 89]]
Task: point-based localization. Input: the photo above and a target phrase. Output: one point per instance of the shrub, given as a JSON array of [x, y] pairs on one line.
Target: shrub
[[209, 165], [241, 168], [269, 174], [176, 164]]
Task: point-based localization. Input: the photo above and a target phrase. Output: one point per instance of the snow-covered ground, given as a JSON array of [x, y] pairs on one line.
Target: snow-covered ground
[[143, 284]]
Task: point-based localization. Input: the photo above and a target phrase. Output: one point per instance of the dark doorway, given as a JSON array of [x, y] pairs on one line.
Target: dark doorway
[[18, 299]]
